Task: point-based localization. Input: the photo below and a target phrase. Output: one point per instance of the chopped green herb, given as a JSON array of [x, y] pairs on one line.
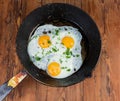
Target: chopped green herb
[[53, 36], [68, 52], [68, 32], [56, 31], [37, 58], [63, 52], [77, 55], [68, 56], [60, 60], [49, 41], [63, 67], [48, 52], [42, 51], [55, 49], [68, 69]]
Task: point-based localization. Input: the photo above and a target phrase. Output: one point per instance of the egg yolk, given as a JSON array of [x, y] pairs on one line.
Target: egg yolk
[[54, 69], [44, 41], [68, 41]]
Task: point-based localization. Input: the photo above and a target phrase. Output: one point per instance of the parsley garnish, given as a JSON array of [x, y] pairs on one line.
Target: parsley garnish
[[77, 55], [63, 67], [42, 51], [49, 41], [37, 58], [68, 56], [56, 31], [48, 52], [68, 53], [54, 49], [60, 60], [68, 70], [53, 36]]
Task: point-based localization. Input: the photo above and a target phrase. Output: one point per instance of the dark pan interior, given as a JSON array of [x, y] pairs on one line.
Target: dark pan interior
[[60, 14]]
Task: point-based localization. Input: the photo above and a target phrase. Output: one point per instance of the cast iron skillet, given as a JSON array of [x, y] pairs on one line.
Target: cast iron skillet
[[59, 14]]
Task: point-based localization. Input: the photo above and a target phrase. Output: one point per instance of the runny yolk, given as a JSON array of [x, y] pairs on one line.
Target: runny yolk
[[68, 41], [54, 69], [44, 41]]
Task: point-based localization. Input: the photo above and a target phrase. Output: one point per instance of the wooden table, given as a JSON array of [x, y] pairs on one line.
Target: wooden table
[[104, 85]]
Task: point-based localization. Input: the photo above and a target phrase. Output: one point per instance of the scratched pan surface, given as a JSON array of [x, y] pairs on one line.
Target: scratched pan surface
[[60, 14]]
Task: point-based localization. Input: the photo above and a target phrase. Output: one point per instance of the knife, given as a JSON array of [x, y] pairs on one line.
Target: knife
[[8, 86]]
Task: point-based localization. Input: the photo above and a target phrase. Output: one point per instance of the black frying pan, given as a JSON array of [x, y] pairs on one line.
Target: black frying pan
[[57, 14]]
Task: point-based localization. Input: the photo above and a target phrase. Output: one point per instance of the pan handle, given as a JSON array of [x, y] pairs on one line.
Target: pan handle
[[7, 87]]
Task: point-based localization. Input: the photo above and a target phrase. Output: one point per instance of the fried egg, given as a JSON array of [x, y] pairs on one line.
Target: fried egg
[[56, 50]]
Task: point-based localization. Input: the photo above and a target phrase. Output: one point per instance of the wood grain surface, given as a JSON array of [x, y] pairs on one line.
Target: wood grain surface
[[104, 85]]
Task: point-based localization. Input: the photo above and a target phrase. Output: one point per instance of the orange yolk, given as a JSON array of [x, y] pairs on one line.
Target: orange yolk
[[68, 41], [44, 41], [54, 69]]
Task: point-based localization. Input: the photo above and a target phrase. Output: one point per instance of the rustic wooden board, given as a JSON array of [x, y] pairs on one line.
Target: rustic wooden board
[[104, 85]]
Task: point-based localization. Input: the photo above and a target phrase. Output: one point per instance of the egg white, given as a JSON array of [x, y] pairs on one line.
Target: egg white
[[44, 58]]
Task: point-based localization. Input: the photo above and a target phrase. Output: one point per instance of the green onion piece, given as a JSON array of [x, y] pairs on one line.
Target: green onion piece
[[48, 52], [68, 56], [77, 55], [42, 51], [60, 60], [54, 49], [37, 58], [67, 51], [49, 41], [56, 31], [53, 36], [68, 69], [63, 67]]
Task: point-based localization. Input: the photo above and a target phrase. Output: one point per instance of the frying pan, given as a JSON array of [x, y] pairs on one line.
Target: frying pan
[[57, 14]]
